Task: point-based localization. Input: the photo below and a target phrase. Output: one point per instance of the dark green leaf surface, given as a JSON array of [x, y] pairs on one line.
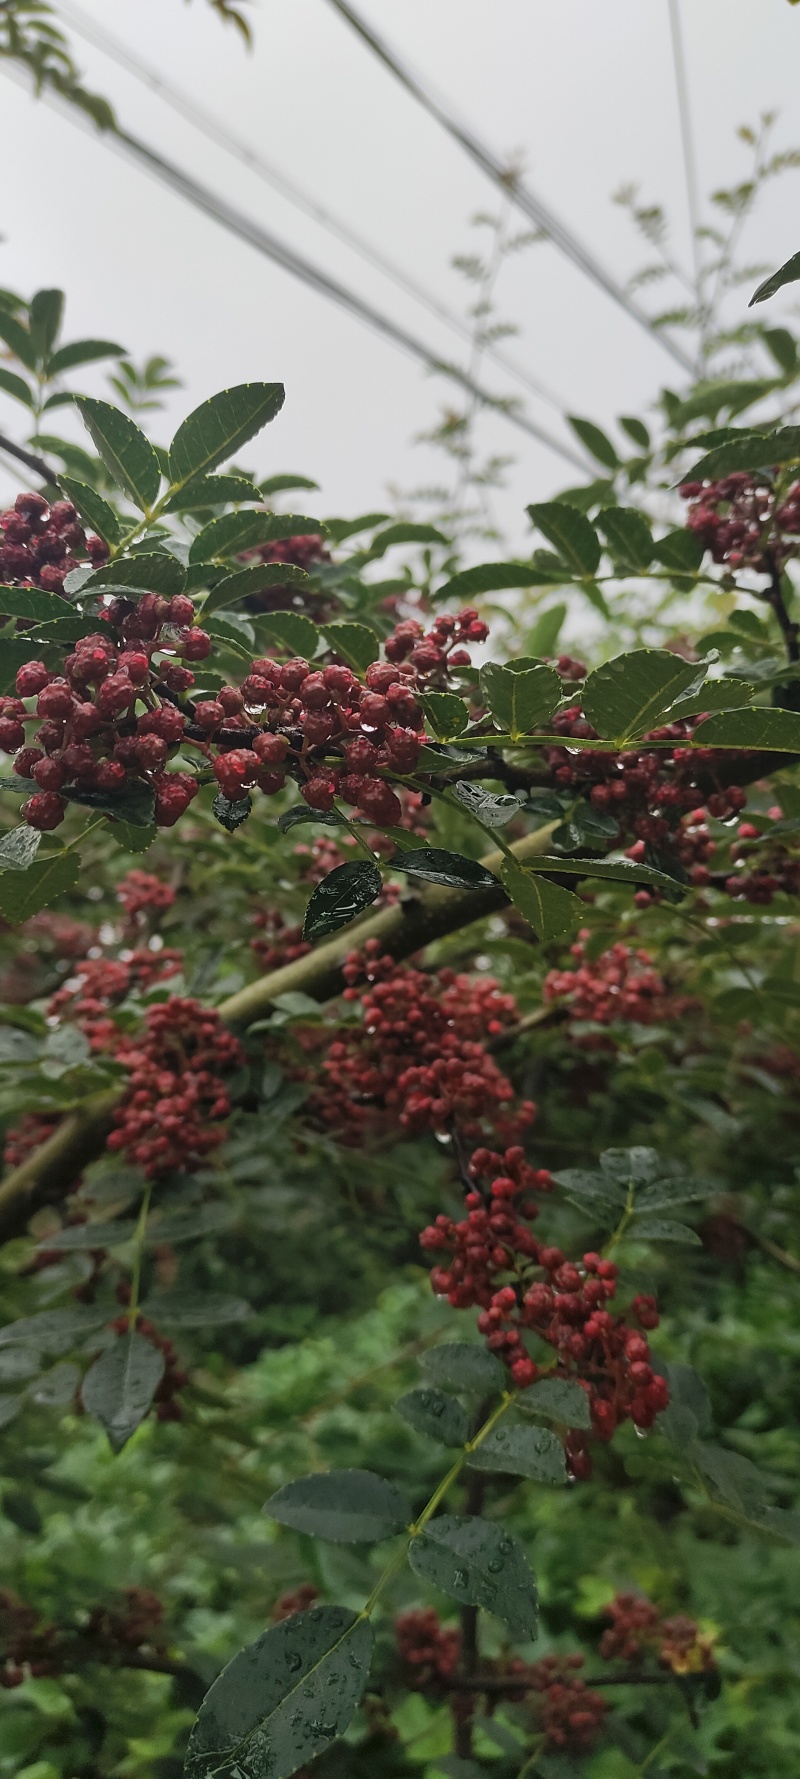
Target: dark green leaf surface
[[478, 1563], [491, 577], [775, 731], [431, 1411], [558, 1399], [446, 713], [248, 581], [342, 1506], [79, 352], [25, 893], [119, 1387], [788, 273], [628, 536], [153, 570], [570, 533], [357, 644], [533, 1452], [127, 454], [493, 811], [283, 1699], [16, 386], [629, 695], [595, 440], [295, 631], [342, 895], [215, 430], [54, 1331], [433, 865], [461, 1365], [520, 700], [548, 908], [233, 533], [93, 509]]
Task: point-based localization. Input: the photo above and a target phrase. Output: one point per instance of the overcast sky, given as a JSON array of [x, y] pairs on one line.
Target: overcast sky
[[583, 90]]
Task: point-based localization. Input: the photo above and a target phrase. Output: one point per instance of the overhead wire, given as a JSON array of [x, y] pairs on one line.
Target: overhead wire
[[272, 248], [687, 145], [523, 197], [289, 189]]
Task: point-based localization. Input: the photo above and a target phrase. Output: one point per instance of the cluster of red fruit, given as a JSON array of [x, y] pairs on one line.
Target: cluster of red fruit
[[37, 541], [571, 1714], [621, 984], [436, 652], [638, 1630], [303, 551], [176, 1097], [31, 1647], [142, 893], [773, 870], [418, 1058], [738, 521], [429, 1650], [519, 1283], [100, 983]]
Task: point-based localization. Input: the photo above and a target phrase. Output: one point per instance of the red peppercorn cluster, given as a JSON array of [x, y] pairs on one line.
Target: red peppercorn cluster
[[738, 522], [170, 1115], [139, 1624], [276, 943], [764, 867], [38, 541], [436, 652], [31, 1647], [638, 1630], [418, 1059], [621, 984], [140, 892], [570, 1714], [302, 552], [101, 983], [296, 1600], [644, 789], [33, 1129], [28, 1644], [496, 1263], [429, 1651]]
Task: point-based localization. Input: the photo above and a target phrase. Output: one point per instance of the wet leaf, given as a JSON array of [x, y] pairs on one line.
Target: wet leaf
[[479, 1564]]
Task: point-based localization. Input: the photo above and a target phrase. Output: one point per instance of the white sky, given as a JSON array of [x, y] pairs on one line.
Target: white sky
[[584, 89]]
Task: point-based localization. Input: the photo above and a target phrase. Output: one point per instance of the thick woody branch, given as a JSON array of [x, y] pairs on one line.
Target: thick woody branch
[[49, 1172]]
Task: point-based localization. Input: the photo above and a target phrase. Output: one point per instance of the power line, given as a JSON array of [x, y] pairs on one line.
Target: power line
[[276, 250], [521, 194], [204, 121], [687, 135]]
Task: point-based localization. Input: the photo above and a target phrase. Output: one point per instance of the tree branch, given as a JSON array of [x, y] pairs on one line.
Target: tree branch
[[31, 461]]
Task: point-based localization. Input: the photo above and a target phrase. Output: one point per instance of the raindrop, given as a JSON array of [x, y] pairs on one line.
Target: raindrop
[[327, 1730], [495, 1565], [642, 1432], [461, 1578], [294, 1660]]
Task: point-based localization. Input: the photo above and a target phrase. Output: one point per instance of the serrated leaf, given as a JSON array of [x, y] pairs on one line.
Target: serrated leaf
[[491, 577], [629, 695], [155, 571], [279, 484], [248, 581], [595, 440], [233, 533], [16, 386], [533, 1452], [570, 533], [754, 451], [660, 1229], [187, 1309], [429, 1410], [283, 1699], [211, 491], [520, 699], [300, 813], [127, 454], [57, 1387], [231, 812], [591, 1191], [446, 713], [134, 804], [478, 1563], [775, 731], [663, 1193], [681, 551], [628, 536], [609, 870], [340, 897], [493, 811], [405, 532], [558, 1399], [293, 629], [119, 1387], [341, 1506], [788, 273], [25, 893], [54, 1331], [714, 694], [67, 358], [215, 430], [462, 1365], [130, 838], [92, 508], [356, 644], [18, 848], [637, 1165], [91, 1235], [549, 909], [451, 869], [46, 311]]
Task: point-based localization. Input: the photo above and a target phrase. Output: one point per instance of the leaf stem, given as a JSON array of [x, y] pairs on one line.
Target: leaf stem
[[141, 1230]]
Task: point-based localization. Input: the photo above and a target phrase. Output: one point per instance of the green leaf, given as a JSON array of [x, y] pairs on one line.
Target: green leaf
[[451, 869], [25, 893], [613, 870], [431, 1411], [18, 338], [628, 536], [46, 311], [340, 897], [16, 386], [212, 491], [674, 1191], [534, 1452], [330, 818], [232, 812], [446, 713], [558, 1399], [215, 430], [749, 453], [462, 1365], [549, 909], [660, 1229], [355, 643], [636, 430], [680, 551], [520, 698], [154, 571], [490, 577], [478, 1563], [295, 631], [128, 456], [341, 1506], [233, 533], [92, 508], [134, 803], [130, 838], [714, 694], [542, 638], [279, 484], [570, 533], [493, 811], [585, 828], [788, 273], [776, 731], [54, 1331], [631, 694], [67, 358], [283, 1699], [119, 1387], [19, 847], [91, 1235], [783, 347], [30, 602], [185, 1309], [405, 533], [595, 441]]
